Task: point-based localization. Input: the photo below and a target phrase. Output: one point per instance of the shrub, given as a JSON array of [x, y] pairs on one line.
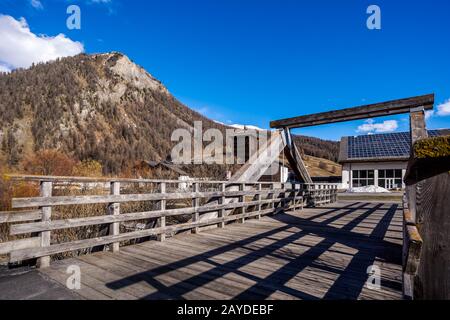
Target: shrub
[[88, 168], [49, 162]]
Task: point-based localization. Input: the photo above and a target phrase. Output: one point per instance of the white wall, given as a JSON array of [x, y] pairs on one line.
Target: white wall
[[348, 167]]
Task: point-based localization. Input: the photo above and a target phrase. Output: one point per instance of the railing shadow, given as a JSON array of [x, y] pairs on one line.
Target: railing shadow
[[348, 284]]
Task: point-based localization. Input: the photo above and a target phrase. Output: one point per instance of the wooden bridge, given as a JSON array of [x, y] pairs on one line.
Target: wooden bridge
[[243, 239], [273, 247]]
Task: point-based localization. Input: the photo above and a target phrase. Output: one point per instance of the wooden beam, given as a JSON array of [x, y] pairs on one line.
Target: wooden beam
[[30, 253], [114, 210], [362, 112], [20, 216], [295, 159], [26, 228], [53, 201], [8, 247], [46, 191]]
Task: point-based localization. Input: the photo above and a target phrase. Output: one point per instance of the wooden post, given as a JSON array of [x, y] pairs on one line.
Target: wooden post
[[195, 204], [162, 220], [295, 196], [302, 194], [272, 196], [242, 201], [114, 209], [222, 212], [258, 197], [45, 191]]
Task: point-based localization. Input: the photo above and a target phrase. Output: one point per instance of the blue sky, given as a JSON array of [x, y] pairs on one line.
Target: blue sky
[[252, 61]]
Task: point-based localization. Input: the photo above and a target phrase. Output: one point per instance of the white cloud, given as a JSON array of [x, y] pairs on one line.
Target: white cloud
[[37, 4], [443, 109], [20, 47], [429, 114], [371, 126]]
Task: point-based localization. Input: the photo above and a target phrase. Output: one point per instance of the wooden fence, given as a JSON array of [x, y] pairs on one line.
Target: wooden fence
[[426, 246], [35, 225]]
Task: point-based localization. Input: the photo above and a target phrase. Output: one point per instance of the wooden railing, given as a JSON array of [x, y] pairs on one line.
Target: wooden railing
[[426, 245], [35, 225], [412, 246]]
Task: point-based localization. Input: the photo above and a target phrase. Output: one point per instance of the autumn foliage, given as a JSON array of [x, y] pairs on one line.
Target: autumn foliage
[[49, 162]]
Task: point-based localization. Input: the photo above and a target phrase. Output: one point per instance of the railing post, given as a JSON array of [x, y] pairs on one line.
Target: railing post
[[222, 212], [162, 220], [114, 209], [258, 197], [272, 196], [242, 201], [293, 186], [302, 195], [46, 188], [195, 204]]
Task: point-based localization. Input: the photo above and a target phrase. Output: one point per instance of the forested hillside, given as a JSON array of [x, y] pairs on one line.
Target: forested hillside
[[98, 107]]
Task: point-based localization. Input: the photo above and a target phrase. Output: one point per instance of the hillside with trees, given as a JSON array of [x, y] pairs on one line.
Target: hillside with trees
[[101, 108]]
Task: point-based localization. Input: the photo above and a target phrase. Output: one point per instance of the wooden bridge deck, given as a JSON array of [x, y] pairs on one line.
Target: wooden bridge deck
[[320, 253]]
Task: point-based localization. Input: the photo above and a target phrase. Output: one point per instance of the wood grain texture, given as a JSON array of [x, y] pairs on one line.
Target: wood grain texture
[[362, 112], [433, 277], [99, 199], [318, 253]]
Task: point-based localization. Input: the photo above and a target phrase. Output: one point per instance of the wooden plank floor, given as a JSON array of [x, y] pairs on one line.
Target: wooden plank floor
[[320, 253]]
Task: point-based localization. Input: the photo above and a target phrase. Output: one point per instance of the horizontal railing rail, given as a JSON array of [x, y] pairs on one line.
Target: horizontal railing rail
[[249, 200], [412, 246]]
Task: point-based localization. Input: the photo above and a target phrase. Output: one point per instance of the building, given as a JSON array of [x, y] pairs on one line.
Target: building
[[379, 159]]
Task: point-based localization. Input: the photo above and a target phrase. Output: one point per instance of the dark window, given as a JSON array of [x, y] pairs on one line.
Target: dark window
[[362, 178]]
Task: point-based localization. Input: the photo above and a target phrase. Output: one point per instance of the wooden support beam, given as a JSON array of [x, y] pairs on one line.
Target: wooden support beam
[[258, 198], [162, 220], [114, 209], [242, 200], [195, 205], [362, 112], [46, 191], [222, 212], [294, 158]]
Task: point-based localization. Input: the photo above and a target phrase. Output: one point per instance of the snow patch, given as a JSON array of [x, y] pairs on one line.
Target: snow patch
[[368, 189], [246, 127]]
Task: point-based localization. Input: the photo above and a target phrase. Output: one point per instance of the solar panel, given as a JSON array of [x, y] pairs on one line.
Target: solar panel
[[391, 145]]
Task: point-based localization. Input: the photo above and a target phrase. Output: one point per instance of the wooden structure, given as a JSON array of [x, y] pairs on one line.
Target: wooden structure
[[307, 254], [316, 253], [253, 201], [426, 250], [426, 224], [383, 109]]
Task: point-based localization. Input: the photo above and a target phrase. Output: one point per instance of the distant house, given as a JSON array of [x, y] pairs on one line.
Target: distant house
[[165, 167], [378, 160]]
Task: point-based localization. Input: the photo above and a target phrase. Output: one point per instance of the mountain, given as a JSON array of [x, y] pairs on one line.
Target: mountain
[[102, 107]]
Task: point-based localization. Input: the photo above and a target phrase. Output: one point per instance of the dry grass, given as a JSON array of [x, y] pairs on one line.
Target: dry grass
[[318, 167]]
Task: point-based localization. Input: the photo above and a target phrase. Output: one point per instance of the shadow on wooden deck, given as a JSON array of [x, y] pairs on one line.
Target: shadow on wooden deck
[[320, 253], [368, 247]]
